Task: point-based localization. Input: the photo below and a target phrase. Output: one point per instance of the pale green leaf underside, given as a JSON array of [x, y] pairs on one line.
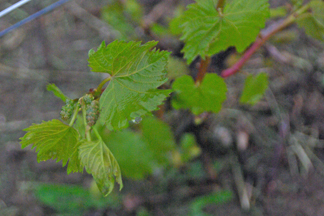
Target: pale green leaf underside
[[208, 96], [136, 73], [54, 140], [313, 22], [101, 163], [254, 88], [206, 33]]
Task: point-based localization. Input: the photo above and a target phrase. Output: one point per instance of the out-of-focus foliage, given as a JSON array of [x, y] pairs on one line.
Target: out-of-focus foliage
[[278, 12], [72, 199], [199, 203], [254, 88], [123, 17], [177, 68], [199, 97], [313, 22], [139, 155]]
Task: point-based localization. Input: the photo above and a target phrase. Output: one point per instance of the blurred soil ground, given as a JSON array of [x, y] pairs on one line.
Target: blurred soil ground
[[289, 121]]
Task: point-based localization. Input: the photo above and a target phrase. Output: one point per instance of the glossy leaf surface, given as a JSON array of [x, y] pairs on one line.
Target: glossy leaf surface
[[208, 96], [101, 163], [54, 140], [254, 88], [207, 31], [136, 72]]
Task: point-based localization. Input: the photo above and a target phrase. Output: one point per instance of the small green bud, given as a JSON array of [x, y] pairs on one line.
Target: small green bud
[[68, 109], [88, 98]]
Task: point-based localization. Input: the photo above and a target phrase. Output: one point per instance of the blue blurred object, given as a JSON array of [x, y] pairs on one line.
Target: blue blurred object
[[13, 7], [33, 16]]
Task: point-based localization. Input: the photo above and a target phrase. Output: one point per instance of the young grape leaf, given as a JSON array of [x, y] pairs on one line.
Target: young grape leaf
[[54, 140], [313, 22], [101, 163], [57, 92], [254, 88], [208, 96], [136, 72], [207, 31]]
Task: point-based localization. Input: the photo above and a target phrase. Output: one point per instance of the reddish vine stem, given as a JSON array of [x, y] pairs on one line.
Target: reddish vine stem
[[220, 4], [202, 69], [263, 37]]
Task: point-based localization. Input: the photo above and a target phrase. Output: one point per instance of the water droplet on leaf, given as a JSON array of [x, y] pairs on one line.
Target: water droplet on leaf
[[137, 120]]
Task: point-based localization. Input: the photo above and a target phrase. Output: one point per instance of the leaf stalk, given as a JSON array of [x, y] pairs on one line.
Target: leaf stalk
[[202, 69], [86, 126], [220, 5], [97, 133], [75, 114], [100, 86]]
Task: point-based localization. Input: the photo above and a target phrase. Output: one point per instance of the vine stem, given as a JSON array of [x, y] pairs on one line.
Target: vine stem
[[86, 126], [202, 69], [75, 114], [97, 133], [220, 4], [99, 88], [263, 37]]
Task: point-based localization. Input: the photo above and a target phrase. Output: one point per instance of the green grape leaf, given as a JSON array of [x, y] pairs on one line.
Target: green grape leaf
[[254, 88], [207, 31], [54, 140], [136, 72], [101, 163], [159, 138], [135, 158], [57, 92], [208, 96], [313, 22]]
